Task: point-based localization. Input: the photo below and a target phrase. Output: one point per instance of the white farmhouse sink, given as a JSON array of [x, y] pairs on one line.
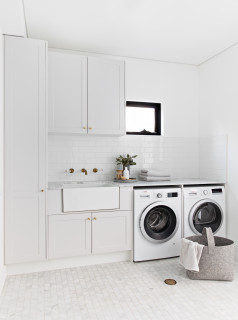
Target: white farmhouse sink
[[90, 197]]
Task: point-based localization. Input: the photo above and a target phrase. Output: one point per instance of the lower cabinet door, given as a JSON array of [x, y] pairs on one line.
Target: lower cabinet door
[[69, 235], [111, 231]]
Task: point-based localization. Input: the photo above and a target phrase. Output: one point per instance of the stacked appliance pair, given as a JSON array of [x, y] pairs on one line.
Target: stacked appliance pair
[[160, 222]]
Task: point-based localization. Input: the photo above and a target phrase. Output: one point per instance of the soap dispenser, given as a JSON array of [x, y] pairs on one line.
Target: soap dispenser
[[126, 173]]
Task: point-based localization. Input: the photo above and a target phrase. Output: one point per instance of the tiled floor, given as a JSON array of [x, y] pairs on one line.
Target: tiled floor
[[118, 291]]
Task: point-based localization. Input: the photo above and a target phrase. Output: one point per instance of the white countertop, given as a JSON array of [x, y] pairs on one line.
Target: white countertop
[[174, 182]]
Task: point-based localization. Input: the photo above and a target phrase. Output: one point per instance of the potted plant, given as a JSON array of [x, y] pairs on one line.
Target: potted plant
[[126, 161]]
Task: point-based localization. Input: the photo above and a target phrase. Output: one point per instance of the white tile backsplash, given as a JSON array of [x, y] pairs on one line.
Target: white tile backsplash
[[178, 156], [213, 158]]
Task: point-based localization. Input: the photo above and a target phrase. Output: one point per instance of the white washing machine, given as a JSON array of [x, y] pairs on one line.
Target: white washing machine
[[204, 207], [157, 223]]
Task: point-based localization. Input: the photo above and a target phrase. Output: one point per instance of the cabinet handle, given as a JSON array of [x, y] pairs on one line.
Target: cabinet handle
[[89, 219], [90, 128], [94, 218], [42, 190]]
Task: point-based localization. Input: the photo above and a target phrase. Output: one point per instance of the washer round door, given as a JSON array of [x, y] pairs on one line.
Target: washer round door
[[158, 222], [205, 213]]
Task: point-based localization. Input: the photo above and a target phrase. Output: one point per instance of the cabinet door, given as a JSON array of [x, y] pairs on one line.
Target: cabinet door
[[106, 102], [25, 149], [111, 231], [67, 92], [69, 235]]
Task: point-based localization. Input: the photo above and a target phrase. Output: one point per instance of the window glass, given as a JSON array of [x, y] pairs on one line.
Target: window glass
[[143, 118], [139, 119]]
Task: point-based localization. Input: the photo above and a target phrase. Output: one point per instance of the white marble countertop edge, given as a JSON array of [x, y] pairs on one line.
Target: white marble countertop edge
[[57, 185]]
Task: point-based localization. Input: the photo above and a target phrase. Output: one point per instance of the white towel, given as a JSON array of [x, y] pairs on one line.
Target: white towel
[[154, 173], [145, 178], [190, 255]]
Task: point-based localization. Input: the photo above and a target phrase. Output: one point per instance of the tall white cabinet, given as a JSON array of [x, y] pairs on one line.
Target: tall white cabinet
[[25, 149]]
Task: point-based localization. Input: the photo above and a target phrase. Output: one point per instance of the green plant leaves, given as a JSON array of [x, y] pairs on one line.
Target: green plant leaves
[[128, 160]]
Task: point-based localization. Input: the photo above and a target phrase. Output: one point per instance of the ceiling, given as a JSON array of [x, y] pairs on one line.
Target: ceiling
[[184, 31], [12, 20]]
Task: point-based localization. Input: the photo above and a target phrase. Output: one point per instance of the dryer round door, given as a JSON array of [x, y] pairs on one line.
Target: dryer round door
[[205, 213], [158, 222]]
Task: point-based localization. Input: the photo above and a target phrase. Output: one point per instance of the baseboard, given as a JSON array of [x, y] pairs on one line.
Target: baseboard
[[68, 263], [3, 276]]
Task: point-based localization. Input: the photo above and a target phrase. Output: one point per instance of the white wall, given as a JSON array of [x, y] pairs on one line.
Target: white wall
[[213, 158], [218, 114], [12, 20], [174, 85]]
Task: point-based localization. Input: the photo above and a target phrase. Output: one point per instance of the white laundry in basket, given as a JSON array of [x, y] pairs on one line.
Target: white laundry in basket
[[190, 255]]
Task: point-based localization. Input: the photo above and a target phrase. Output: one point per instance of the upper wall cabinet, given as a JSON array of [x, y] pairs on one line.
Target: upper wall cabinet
[[86, 94], [25, 149], [67, 93], [106, 96]]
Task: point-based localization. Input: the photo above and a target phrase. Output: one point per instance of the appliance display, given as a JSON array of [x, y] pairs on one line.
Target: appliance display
[[204, 207], [157, 223]]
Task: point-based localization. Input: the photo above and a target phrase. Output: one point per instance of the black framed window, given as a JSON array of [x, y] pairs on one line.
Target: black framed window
[[143, 118]]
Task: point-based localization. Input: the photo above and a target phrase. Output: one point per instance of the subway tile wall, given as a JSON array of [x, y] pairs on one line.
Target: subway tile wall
[[213, 158], [177, 156]]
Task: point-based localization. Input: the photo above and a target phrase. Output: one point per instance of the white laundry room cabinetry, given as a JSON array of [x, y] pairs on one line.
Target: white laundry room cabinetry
[[70, 235], [111, 231], [77, 234], [67, 93], [86, 94], [106, 103], [25, 149], [88, 232]]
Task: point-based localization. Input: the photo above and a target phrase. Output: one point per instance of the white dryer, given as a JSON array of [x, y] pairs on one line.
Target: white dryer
[[157, 223], [204, 207]]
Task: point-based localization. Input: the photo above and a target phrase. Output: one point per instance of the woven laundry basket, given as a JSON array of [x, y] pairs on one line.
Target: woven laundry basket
[[217, 259]]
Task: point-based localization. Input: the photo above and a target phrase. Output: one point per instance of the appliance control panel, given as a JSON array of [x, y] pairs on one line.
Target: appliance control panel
[[156, 194], [160, 195], [172, 195], [217, 191], [203, 191]]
